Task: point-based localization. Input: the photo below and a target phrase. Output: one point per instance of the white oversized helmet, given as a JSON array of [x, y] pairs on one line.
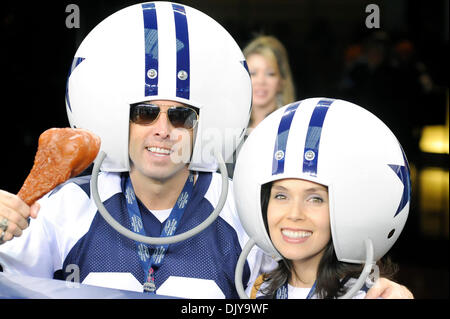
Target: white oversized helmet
[[342, 146], [160, 51]]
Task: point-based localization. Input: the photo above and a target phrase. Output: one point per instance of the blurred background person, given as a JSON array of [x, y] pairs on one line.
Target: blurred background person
[[268, 64], [272, 83]]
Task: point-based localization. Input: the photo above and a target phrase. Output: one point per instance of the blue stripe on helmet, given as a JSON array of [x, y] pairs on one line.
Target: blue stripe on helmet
[[76, 61], [281, 141], [182, 45], [311, 151], [244, 63], [151, 48]]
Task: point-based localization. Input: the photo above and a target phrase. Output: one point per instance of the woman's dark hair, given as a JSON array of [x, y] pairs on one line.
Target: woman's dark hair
[[331, 274]]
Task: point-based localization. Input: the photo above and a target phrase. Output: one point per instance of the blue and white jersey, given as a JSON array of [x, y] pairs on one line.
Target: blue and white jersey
[[70, 238]]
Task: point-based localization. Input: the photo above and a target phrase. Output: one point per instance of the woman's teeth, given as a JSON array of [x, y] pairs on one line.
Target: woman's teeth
[[296, 234]]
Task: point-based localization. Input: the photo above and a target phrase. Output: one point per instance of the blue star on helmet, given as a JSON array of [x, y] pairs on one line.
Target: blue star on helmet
[[75, 63], [402, 171]]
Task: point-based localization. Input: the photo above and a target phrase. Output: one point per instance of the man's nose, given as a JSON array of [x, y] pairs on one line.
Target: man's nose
[[162, 125]]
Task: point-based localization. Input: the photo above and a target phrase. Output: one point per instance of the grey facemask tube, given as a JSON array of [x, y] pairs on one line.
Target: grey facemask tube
[[158, 240], [364, 273], [240, 268]]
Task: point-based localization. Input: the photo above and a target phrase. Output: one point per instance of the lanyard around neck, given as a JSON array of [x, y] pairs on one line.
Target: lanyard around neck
[[282, 292], [151, 263]]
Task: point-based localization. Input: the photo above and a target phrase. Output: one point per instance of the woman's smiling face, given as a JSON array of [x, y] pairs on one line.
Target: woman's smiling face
[[298, 218]]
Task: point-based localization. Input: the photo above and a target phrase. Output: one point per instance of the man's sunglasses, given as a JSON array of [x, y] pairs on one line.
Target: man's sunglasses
[[179, 116]]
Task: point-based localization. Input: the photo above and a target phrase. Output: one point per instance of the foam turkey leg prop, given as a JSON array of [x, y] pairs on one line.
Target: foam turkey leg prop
[[62, 153]]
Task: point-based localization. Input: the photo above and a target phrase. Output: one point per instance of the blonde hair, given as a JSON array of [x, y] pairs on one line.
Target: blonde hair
[[273, 50]]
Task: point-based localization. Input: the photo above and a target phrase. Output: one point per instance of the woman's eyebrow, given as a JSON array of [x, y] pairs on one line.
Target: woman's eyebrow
[[309, 190], [279, 187], [316, 189]]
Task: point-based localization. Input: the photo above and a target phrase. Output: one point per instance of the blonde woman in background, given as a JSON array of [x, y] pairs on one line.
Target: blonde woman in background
[[272, 83], [268, 63]]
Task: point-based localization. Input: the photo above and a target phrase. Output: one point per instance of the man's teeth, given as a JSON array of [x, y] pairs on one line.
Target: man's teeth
[[296, 234], [154, 149]]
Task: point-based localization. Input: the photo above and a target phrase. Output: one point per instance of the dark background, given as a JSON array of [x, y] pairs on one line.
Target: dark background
[[325, 40]]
